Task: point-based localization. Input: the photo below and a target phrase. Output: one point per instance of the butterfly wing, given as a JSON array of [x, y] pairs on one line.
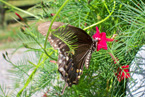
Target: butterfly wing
[[70, 63]]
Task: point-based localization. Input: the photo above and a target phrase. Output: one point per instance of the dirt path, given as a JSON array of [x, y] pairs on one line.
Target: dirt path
[[5, 76]]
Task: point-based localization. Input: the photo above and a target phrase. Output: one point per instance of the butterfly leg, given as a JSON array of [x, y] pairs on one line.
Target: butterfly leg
[[66, 84]]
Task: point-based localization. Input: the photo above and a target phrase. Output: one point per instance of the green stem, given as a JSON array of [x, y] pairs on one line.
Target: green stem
[[34, 37], [53, 21], [3, 92], [43, 48], [8, 60], [31, 76], [103, 19], [19, 9], [106, 6], [117, 62], [27, 82], [48, 54]]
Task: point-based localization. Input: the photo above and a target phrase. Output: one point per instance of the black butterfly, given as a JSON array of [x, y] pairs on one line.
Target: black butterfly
[[70, 63]]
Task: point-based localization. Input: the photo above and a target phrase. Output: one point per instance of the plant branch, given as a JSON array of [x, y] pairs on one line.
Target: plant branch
[[103, 19], [34, 37], [106, 6], [31, 76], [53, 21]]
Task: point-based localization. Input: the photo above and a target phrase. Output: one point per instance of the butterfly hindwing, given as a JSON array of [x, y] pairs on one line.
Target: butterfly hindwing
[[71, 66]]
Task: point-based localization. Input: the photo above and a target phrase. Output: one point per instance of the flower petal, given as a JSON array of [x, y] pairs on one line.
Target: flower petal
[[97, 34], [19, 16], [97, 30], [103, 42]]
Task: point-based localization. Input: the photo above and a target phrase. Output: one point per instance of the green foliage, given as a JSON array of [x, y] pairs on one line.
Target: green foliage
[[99, 80]]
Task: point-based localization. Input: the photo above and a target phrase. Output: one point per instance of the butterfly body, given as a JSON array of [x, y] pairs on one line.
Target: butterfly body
[[70, 63]]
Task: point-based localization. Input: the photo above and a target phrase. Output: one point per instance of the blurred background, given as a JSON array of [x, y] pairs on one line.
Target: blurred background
[[9, 21], [10, 34]]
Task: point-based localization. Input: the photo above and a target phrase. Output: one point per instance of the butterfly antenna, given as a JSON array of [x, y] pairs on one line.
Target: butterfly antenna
[[66, 84]]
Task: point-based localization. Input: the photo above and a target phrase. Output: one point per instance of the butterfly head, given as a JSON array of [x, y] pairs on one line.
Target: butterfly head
[[96, 38]]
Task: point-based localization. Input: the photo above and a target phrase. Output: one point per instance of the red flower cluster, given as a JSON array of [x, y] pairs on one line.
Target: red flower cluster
[[122, 72]]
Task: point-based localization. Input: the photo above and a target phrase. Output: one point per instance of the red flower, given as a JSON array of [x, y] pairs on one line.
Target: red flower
[[102, 40], [52, 14], [123, 73], [19, 16], [52, 61]]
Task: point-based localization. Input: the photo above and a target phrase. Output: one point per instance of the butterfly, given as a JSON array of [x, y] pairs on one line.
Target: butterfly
[[70, 63]]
